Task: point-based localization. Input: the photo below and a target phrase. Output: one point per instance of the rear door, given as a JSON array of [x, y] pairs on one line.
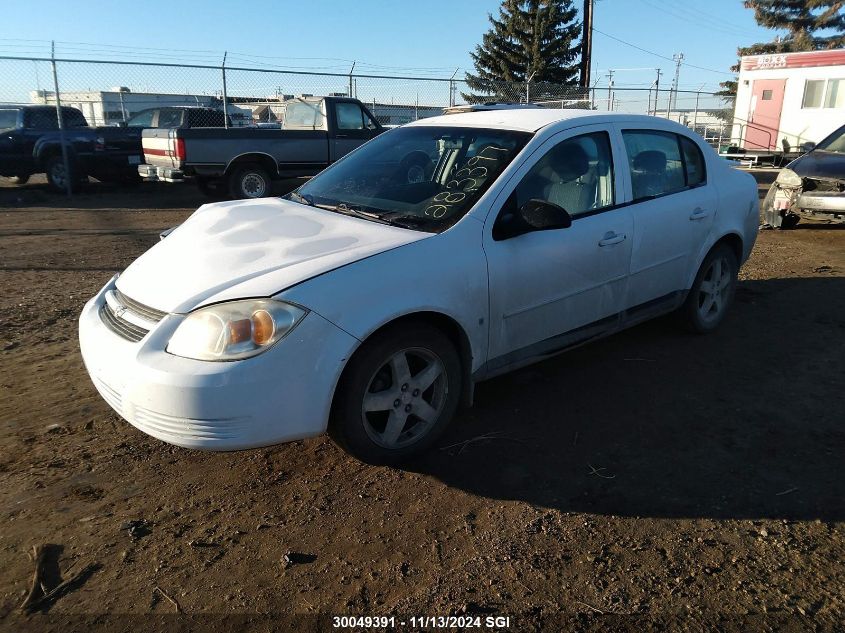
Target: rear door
[[673, 206], [10, 151], [764, 116], [352, 127]]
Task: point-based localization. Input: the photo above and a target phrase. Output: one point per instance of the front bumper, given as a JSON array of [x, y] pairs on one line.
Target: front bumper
[[822, 201], [281, 395], [156, 173]]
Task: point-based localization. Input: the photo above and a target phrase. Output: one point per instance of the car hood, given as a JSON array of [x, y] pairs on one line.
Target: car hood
[[253, 248], [820, 164]]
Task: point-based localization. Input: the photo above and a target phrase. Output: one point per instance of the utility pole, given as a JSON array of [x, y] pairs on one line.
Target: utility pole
[[609, 90], [586, 44], [657, 89], [678, 58]]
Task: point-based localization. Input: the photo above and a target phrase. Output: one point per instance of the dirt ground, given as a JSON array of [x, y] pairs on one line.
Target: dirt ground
[[652, 481]]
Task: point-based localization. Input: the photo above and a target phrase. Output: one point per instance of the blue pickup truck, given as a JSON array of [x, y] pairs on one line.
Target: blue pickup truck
[[30, 143]]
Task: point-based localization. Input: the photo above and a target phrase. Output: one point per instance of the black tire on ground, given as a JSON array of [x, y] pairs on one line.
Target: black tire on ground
[[712, 291], [371, 372], [19, 180], [249, 181], [56, 176]]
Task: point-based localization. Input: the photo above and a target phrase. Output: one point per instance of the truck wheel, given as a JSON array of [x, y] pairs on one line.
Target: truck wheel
[[249, 181], [19, 180], [57, 176]]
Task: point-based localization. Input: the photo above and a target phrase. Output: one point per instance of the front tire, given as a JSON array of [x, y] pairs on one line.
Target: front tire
[[57, 176], [712, 291], [249, 181], [398, 394]]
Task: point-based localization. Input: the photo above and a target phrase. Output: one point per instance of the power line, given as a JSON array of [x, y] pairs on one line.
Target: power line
[[669, 59]]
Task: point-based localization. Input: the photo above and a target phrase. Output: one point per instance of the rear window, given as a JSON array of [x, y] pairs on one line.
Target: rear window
[[8, 119], [206, 118], [303, 115]]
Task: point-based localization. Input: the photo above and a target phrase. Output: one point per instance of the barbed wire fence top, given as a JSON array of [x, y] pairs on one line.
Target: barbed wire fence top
[[111, 91]]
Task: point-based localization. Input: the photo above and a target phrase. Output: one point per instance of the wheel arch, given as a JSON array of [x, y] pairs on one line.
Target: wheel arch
[[266, 161], [732, 240], [443, 322]]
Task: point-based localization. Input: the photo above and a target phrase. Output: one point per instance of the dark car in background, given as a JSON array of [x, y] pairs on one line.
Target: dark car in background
[[176, 117], [31, 143], [812, 184]]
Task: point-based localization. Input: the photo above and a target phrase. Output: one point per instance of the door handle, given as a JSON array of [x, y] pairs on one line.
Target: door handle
[[610, 238], [699, 213]]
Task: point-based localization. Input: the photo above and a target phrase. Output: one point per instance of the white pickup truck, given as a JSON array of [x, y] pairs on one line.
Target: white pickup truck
[[315, 132]]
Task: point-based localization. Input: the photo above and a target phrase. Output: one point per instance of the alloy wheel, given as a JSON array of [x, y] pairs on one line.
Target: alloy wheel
[[404, 398], [715, 289]]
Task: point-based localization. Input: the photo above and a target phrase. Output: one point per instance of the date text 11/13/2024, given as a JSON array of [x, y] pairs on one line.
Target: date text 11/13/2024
[[423, 621]]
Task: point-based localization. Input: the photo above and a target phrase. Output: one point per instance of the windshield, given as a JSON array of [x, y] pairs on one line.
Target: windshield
[[422, 177], [834, 143]]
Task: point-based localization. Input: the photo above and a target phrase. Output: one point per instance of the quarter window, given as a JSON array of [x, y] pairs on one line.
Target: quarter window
[[655, 161], [169, 118], [576, 174], [696, 172]]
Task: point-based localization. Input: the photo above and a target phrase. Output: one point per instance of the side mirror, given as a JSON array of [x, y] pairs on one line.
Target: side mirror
[[534, 215], [121, 124], [807, 147]]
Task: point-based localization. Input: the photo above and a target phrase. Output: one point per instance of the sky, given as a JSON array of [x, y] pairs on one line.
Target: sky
[[428, 38]]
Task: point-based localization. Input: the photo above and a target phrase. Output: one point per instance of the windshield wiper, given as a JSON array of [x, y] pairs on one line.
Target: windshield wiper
[[297, 197]]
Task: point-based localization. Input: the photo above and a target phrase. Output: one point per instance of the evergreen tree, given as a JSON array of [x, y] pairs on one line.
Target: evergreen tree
[[530, 38], [810, 24]]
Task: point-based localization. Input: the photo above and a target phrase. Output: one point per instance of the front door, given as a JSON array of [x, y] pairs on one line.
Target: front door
[[553, 288], [761, 132]]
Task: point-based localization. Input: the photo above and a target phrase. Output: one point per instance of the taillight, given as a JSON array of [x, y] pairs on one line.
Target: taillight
[[179, 152]]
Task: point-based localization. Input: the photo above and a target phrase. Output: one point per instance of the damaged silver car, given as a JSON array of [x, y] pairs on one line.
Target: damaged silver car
[[811, 185]]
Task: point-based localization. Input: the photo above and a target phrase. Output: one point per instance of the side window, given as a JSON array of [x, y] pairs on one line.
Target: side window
[[42, 119], [74, 118], [8, 119], [813, 91], [169, 117], [349, 116], [696, 172], [655, 161], [143, 119], [576, 174]]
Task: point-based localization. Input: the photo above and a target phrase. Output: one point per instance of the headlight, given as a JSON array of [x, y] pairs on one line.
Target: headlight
[[236, 330], [788, 178]]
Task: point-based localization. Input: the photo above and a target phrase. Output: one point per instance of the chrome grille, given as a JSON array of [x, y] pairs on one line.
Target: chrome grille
[[125, 327], [119, 326], [140, 309]]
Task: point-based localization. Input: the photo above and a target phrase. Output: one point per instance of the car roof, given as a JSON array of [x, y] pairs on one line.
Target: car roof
[[531, 120]]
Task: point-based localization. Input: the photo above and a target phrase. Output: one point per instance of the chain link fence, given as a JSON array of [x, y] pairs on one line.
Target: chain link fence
[[113, 92]]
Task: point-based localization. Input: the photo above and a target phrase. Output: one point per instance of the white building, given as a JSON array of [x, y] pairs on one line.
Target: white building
[[792, 97], [108, 107]]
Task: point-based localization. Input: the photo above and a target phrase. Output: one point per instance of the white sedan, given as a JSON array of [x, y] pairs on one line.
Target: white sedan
[[371, 300]]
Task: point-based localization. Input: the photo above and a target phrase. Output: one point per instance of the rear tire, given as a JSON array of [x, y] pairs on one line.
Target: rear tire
[[248, 182], [397, 395], [712, 291]]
